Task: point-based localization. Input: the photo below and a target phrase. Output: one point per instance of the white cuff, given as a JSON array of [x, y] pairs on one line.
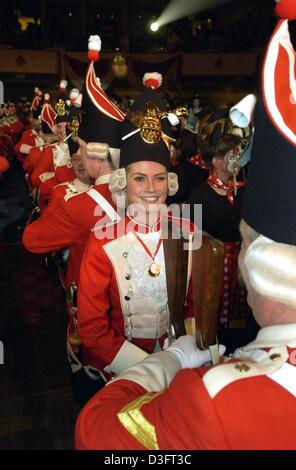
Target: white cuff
[[128, 355], [25, 148], [155, 373], [46, 176]]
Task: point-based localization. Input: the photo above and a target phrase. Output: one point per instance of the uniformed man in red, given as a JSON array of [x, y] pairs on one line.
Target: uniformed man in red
[[54, 166], [80, 183], [45, 167], [75, 214], [31, 137], [166, 401]]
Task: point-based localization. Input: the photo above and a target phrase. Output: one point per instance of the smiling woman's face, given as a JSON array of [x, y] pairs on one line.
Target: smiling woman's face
[[147, 184]]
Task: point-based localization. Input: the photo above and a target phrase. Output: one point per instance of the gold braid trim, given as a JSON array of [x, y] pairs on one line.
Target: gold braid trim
[[136, 424]]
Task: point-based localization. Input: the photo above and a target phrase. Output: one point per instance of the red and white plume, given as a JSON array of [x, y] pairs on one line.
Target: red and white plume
[[94, 48], [75, 98], [37, 91], [37, 98], [63, 85], [48, 114], [286, 9], [152, 80], [93, 87]]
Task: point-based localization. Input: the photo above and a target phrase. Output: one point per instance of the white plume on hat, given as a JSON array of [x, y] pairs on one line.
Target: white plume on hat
[[94, 43], [37, 91], [75, 98], [152, 79], [74, 93], [46, 97], [63, 84]]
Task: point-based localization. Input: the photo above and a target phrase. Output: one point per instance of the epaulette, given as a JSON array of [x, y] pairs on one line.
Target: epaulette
[[46, 176], [218, 377], [71, 195]]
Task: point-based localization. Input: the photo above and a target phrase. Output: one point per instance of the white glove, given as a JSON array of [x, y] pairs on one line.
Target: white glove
[[184, 349]]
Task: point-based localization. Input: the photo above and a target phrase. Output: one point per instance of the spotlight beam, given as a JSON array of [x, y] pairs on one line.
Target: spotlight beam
[[177, 9]]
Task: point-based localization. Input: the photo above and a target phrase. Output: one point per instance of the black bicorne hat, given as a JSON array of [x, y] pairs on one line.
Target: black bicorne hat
[[48, 116], [146, 129], [36, 103], [73, 146], [102, 119]]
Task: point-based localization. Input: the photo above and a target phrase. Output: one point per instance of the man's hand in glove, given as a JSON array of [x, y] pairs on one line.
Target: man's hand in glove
[[185, 350]]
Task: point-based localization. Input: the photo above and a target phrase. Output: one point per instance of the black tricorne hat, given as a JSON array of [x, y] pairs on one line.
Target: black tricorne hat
[[269, 204]]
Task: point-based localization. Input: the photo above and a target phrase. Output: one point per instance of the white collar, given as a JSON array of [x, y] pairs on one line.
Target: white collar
[[103, 179], [274, 335], [80, 185]]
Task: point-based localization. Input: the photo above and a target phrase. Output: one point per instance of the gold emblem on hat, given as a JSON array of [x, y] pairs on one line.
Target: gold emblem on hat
[[149, 122], [74, 126], [60, 107]]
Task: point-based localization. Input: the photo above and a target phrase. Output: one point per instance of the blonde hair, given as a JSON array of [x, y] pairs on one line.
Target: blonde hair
[[272, 269], [118, 182]]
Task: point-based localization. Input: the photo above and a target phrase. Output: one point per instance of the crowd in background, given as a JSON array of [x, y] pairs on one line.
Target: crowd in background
[[62, 28]]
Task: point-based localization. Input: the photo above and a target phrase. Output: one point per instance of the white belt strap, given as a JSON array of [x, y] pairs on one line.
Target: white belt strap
[[105, 205]]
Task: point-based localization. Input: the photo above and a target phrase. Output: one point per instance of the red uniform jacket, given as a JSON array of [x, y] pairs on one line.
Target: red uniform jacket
[[243, 404], [45, 165], [68, 226], [29, 137], [119, 303], [63, 189], [32, 160], [63, 174]]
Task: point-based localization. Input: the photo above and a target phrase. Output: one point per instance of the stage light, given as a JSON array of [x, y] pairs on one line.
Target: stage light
[[154, 27], [177, 9]]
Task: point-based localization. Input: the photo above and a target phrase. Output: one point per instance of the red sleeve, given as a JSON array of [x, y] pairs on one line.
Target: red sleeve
[[27, 138], [32, 159], [95, 305], [183, 417], [56, 194], [45, 164], [49, 233], [98, 427]]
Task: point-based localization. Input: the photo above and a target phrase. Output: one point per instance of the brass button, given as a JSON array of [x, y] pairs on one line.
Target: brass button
[[128, 277], [275, 357], [124, 254], [242, 367], [127, 298]]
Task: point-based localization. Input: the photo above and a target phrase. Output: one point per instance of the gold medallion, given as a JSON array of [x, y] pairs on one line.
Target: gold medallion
[[154, 269]]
